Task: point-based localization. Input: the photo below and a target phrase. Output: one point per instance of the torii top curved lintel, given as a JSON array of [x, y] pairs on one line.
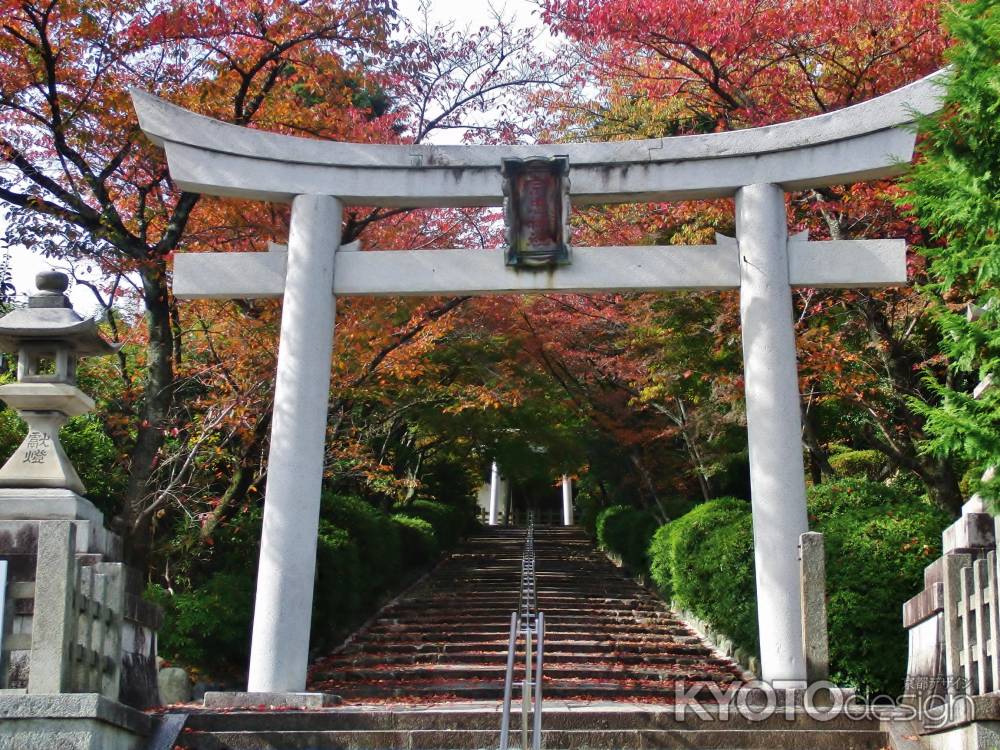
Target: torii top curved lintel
[[866, 141]]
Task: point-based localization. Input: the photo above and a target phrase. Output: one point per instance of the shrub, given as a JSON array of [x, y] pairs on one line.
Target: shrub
[[704, 561], [376, 538], [661, 561], [590, 508], [420, 544], [878, 541], [868, 464], [449, 521], [626, 532], [337, 598], [840, 496], [208, 626], [600, 523]]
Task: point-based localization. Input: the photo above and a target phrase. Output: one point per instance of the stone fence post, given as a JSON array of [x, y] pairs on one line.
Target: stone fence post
[[812, 580], [52, 626]]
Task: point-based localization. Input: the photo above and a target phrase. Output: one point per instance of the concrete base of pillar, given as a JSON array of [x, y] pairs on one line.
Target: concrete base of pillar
[[271, 700], [82, 721]]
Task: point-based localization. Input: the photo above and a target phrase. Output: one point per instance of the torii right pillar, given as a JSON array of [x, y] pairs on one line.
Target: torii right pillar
[[774, 428]]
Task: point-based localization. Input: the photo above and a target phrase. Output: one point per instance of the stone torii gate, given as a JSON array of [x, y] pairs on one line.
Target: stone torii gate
[[757, 166]]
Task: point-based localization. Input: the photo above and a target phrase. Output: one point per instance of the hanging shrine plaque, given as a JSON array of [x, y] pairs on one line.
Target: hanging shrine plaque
[[536, 211]]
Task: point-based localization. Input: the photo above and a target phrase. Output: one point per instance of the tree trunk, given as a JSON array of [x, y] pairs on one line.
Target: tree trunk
[[153, 414], [942, 484], [819, 459], [936, 474], [659, 511]]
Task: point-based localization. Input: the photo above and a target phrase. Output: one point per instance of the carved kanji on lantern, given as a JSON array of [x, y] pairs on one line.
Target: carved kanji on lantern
[[536, 211]]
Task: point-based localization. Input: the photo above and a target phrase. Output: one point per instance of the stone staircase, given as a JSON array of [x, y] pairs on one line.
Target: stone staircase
[[428, 671], [605, 637]]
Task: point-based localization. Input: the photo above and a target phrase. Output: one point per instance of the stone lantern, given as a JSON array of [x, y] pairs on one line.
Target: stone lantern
[[49, 338]]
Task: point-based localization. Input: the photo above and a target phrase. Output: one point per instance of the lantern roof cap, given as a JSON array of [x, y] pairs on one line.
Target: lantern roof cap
[[49, 316]]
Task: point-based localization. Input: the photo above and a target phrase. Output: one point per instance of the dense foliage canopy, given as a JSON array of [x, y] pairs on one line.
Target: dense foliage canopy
[[955, 193]]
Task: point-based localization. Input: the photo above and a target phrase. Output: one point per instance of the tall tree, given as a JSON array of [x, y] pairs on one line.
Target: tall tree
[[956, 196], [81, 183], [671, 68]]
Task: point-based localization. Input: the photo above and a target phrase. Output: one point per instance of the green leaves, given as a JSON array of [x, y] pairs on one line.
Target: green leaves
[[956, 198]]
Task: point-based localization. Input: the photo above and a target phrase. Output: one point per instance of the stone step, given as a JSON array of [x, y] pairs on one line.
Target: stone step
[[421, 609], [552, 616], [605, 636], [459, 739], [553, 626], [577, 646], [443, 688], [499, 657], [497, 671], [577, 605], [455, 594], [486, 716]]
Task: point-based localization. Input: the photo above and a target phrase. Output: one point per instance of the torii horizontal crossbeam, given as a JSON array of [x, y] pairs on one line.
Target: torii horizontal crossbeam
[[867, 141], [844, 263]]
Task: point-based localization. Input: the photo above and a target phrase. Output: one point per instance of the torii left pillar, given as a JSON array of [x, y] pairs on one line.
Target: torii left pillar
[[279, 650]]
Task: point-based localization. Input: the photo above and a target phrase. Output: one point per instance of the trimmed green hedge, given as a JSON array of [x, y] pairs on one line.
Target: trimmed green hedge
[[626, 531], [338, 600], [208, 626], [377, 539], [361, 555], [590, 507], [878, 541], [448, 521], [867, 464], [420, 543], [704, 562]]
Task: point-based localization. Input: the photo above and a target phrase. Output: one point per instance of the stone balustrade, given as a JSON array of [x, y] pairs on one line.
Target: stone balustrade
[[73, 622], [929, 621]]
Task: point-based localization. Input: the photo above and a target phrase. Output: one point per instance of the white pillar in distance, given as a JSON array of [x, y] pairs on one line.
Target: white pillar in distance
[[279, 649], [494, 494], [774, 428], [567, 497]]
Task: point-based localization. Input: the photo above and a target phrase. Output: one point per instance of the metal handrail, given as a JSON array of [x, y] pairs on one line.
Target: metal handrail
[[536, 730], [508, 683], [526, 621]]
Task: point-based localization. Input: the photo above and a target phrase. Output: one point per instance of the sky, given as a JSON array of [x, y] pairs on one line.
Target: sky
[[472, 13], [26, 264]]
